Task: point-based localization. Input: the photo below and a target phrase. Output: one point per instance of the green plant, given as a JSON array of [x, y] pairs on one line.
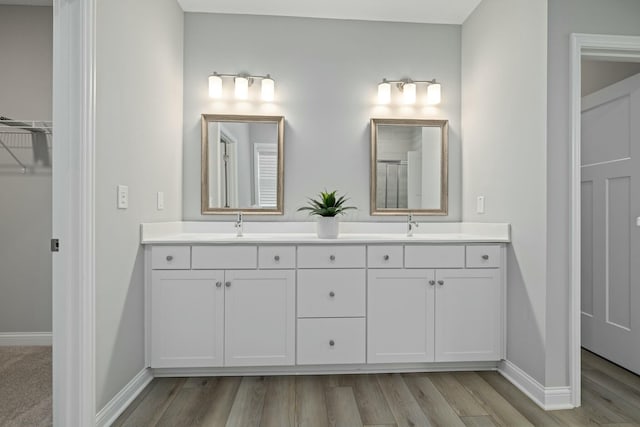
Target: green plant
[[327, 205]]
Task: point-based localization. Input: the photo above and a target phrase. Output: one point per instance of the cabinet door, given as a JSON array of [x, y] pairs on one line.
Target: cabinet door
[[468, 315], [400, 316], [187, 315], [259, 317]]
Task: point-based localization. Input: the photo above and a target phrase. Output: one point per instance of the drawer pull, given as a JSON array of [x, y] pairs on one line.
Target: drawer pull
[[332, 257], [432, 282], [332, 343], [440, 282], [386, 257], [228, 284], [485, 257], [218, 284], [276, 258], [169, 258], [332, 294]]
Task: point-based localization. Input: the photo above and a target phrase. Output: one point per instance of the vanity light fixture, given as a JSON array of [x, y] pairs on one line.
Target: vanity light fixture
[[242, 83], [408, 88]]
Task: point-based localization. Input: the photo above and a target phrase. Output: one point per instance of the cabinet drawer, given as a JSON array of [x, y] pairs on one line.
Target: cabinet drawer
[[331, 341], [331, 293], [483, 256], [385, 256], [277, 257], [434, 256], [171, 257], [224, 257], [331, 257]]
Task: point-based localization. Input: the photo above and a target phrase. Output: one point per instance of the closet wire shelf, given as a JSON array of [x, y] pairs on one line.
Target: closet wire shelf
[[25, 146]]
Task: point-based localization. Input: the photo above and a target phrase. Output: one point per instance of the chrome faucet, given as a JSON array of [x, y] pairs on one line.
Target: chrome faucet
[[239, 225], [411, 224]]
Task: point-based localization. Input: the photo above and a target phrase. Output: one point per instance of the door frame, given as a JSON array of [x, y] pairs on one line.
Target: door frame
[[592, 46], [74, 385]]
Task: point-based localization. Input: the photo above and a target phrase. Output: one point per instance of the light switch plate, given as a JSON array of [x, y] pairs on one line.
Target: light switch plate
[[480, 205], [160, 200], [123, 197]]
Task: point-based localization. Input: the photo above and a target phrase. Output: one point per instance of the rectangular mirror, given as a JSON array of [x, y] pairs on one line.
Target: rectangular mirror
[[409, 167], [242, 164]]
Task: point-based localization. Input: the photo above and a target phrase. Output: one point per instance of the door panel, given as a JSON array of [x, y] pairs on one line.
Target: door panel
[[400, 314], [259, 317], [586, 261], [610, 236], [187, 316], [468, 315]]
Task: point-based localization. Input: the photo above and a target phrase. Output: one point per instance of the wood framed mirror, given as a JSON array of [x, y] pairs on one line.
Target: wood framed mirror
[[409, 166], [242, 164]]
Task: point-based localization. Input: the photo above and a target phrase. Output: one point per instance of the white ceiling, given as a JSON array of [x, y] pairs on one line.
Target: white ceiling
[[423, 11]]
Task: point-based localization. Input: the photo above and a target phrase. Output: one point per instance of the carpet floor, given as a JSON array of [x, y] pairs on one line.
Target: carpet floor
[[25, 386]]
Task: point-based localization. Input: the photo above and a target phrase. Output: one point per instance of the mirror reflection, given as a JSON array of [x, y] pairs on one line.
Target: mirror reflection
[[408, 166], [242, 164]]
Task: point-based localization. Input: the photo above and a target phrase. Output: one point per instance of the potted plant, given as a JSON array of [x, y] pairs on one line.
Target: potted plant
[[327, 207]]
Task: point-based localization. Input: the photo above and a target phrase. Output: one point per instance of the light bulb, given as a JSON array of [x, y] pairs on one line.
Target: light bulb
[[267, 88], [409, 93], [242, 88], [384, 93], [434, 93], [215, 86]]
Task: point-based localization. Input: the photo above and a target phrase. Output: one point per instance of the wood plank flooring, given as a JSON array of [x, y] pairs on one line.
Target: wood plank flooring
[[611, 398]]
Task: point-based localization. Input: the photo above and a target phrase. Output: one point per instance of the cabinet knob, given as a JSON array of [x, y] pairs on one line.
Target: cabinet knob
[[386, 257], [332, 343], [440, 282], [485, 257], [432, 282], [228, 284], [332, 257], [169, 257], [218, 284], [277, 257], [332, 294]]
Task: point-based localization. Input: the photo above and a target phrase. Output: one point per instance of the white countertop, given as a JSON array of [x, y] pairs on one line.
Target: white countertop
[[304, 233]]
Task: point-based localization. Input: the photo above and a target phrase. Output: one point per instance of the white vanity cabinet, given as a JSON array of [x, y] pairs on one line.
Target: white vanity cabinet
[[212, 318], [437, 315], [331, 305], [296, 307]]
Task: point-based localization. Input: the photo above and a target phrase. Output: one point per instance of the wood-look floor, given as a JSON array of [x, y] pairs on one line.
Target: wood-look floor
[[610, 397]]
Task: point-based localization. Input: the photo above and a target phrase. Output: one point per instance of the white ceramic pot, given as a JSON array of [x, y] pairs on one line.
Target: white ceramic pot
[[328, 227]]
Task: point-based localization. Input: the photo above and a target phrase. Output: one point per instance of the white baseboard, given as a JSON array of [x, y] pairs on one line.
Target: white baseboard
[[548, 398], [123, 399], [25, 338]]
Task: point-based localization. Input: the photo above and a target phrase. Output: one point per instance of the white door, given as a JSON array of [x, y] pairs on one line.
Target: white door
[[610, 233], [260, 317], [400, 316], [187, 315], [468, 315]]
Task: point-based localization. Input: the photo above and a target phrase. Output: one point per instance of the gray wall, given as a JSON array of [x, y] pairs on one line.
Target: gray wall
[[504, 155], [26, 35], [597, 75], [139, 132], [565, 17], [326, 74]]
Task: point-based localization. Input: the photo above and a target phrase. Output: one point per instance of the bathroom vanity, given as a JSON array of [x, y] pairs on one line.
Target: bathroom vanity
[[373, 300]]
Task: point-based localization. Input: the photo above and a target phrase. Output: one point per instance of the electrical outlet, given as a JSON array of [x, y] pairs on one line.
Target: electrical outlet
[[160, 200], [480, 205], [123, 197]]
